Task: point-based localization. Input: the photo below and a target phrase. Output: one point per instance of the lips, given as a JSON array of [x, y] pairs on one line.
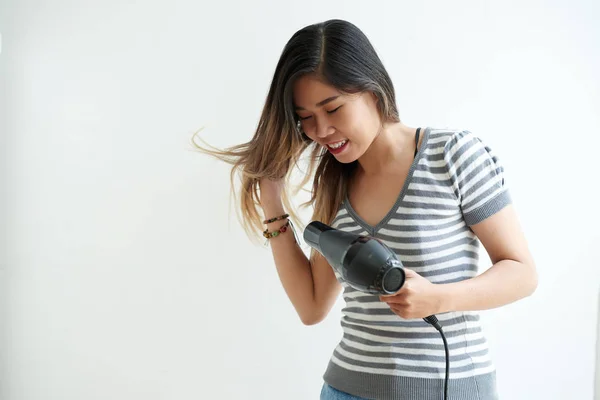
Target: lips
[[337, 145]]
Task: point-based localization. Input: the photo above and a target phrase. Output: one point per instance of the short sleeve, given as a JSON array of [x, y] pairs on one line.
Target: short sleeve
[[477, 177]]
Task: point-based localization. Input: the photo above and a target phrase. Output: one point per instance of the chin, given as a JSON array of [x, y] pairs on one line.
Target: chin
[[346, 157]]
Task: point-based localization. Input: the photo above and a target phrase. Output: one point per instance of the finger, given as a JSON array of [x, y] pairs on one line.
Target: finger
[[409, 273], [399, 311], [396, 310], [388, 296], [400, 298]]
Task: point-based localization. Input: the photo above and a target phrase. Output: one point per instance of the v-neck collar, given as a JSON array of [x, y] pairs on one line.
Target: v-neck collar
[[373, 229]]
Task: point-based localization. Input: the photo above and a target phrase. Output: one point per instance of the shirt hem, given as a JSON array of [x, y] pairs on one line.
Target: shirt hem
[[392, 387]]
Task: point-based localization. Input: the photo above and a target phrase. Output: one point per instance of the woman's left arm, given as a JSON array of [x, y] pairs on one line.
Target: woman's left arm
[[512, 276], [477, 177]]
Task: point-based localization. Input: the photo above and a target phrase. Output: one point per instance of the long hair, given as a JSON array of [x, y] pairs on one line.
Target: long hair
[[339, 54]]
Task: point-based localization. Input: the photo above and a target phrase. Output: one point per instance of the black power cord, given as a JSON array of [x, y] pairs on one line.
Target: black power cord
[[432, 319]]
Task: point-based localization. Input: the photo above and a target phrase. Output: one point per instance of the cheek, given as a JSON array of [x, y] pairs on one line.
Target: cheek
[[350, 123], [364, 117], [360, 128], [308, 127]]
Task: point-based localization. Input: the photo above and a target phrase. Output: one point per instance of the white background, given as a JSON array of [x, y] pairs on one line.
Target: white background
[[125, 274]]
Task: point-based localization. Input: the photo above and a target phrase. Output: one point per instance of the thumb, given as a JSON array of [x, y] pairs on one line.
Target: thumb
[[409, 273]]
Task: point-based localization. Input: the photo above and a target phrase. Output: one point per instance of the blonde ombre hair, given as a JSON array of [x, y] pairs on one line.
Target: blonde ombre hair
[[339, 54]]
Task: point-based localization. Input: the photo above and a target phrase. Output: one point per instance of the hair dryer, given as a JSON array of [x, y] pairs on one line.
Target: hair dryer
[[366, 264]]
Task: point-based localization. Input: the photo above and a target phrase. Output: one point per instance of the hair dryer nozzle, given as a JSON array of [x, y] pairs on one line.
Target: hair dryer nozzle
[[393, 280]]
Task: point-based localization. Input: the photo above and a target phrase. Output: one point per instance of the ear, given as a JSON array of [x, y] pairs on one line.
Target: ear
[[374, 96]]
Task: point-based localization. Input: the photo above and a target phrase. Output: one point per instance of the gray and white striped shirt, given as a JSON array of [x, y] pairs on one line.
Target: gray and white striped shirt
[[454, 182]]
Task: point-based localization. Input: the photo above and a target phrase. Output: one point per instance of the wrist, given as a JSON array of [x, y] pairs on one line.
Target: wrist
[[272, 209]]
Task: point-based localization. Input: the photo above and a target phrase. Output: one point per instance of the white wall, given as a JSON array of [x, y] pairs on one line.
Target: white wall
[[127, 275], [3, 208]]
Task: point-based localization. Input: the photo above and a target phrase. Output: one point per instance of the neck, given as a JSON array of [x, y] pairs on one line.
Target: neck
[[389, 149]]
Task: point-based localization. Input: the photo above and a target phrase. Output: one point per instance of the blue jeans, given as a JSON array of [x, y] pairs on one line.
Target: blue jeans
[[330, 393]]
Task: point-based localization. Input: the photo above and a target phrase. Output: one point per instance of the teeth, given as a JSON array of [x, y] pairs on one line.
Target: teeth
[[337, 145]]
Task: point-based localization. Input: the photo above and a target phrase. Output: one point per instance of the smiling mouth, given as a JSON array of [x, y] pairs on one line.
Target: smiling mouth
[[337, 145]]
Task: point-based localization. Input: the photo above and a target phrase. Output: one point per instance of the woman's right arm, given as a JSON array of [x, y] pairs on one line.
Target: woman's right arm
[[310, 285]]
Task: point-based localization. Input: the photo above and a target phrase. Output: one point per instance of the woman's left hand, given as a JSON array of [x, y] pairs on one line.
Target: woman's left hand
[[418, 297]]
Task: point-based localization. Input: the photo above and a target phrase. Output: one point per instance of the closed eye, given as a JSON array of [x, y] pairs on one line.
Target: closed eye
[[332, 111], [328, 112]]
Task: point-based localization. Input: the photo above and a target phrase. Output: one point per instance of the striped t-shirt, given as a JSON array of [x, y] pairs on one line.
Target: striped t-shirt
[[455, 181]]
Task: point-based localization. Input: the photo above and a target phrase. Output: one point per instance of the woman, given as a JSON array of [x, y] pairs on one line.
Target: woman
[[432, 195]]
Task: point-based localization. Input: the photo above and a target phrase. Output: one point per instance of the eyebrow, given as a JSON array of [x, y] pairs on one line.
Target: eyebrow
[[321, 103]]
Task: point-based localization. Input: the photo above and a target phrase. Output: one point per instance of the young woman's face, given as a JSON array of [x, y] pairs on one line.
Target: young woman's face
[[345, 124]]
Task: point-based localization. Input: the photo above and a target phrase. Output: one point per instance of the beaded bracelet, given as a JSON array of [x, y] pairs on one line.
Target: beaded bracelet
[[273, 234], [279, 218]]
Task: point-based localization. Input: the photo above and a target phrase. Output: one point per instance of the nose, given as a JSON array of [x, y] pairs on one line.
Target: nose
[[323, 129]]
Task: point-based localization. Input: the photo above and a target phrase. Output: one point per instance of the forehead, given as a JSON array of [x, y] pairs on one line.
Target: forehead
[[309, 90]]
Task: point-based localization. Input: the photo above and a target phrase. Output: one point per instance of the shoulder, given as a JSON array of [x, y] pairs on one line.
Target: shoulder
[[447, 138], [440, 139], [452, 144], [443, 135]]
